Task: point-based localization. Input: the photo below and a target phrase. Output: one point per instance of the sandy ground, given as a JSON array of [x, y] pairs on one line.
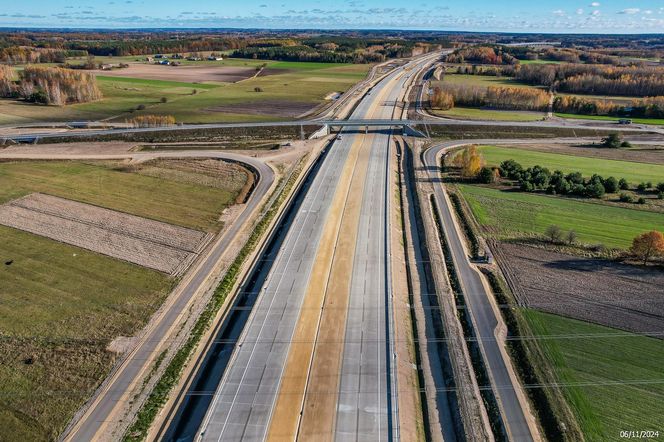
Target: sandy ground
[[148, 243], [604, 292], [186, 74]]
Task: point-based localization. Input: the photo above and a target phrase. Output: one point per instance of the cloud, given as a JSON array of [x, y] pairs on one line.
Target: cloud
[[579, 11], [630, 11], [559, 13], [594, 4], [595, 13]]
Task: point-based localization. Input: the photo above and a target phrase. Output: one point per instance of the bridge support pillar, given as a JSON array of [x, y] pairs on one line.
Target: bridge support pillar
[[320, 133], [411, 131]]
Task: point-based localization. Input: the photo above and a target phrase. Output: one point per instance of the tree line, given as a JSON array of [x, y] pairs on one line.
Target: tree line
[[48, 85], [496, 97]]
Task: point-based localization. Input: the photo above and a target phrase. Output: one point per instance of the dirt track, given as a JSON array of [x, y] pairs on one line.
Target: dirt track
[[608, 293]]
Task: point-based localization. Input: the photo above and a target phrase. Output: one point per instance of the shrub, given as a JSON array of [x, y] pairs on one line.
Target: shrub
[[642, 187], [486, 175], [554, 233], [612, 141], [641, 200], [152, 121], [611, 184], [625, 144], [571, 237], [140, 107], [164, 100], [623, 184], [626, 198], [660, 187]]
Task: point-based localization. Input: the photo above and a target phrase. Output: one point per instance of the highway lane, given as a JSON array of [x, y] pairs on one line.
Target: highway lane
[[101, 415], [484, 317], [243, 403]]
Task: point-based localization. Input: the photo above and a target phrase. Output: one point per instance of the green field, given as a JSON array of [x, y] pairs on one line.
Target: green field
[[626, 390], [606, 118], [297, 82], [480, 80], [107, 185], [631, 171], [61, 305], [510, 214], [539, 62], [469, 113]]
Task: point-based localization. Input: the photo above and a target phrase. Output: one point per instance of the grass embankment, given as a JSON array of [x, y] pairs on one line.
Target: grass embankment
[[511, 214], [607, 118], [470, 113], [61, 305], [108, 185], [304, 84], [633, 172], [624, 387]]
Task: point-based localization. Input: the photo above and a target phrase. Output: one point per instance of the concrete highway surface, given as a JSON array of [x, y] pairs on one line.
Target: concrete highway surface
[[362, 393], [102, 413], [484, 317]]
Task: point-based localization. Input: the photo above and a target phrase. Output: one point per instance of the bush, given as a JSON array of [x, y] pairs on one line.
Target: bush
[[625, 144], [623, 184], [571, 237], [642, 187], [626, 198], [554, 233], [612, 141], [486, 175], [140, 107], [660, 187], [611, 184], [258, 89], [660, 195], [152, 121], [164, 100], [641, 200]]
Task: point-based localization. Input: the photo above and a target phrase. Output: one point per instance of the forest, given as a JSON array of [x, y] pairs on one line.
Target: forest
[[48, 85]]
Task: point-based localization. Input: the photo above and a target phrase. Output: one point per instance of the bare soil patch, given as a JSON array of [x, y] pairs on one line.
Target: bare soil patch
[[145, 242], [281, 108], [604, 292], [186, 74]]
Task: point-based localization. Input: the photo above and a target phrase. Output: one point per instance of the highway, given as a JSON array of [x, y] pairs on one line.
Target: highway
[[102, 412], [484, 316], [250, 391]]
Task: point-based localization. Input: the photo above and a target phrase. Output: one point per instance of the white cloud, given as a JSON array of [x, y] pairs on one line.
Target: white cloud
[[559, 13], [630, 11], [595, 12], [579, 11], [594, 4]]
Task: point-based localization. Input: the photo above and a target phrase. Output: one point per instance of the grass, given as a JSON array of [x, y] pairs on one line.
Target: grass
[[480, 80], [61, 305], [510, 214], [469, 113], [607, 118], [605, 410], [290, 82], [631, 171], [186, 204], [539, 62]]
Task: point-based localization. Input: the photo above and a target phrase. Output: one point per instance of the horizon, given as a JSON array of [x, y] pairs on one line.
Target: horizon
[[563, 17]]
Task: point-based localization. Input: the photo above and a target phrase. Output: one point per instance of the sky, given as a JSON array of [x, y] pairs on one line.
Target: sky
[[564, 16]]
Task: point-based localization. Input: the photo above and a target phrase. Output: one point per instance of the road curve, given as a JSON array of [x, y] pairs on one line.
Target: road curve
[[102, 412], [486, 321]]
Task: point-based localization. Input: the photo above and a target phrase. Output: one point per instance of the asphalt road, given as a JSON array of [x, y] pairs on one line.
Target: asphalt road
[[243, 403], [120, 386], [484, 317]]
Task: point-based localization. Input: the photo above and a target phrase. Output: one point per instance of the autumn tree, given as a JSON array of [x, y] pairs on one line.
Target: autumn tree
[[441, 99], [7, 85], [152, 121], [57, 86], [648, 245], [470, 162]]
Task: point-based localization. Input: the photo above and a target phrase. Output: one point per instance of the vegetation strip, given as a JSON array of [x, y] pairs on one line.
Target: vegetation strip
[[171, 376]]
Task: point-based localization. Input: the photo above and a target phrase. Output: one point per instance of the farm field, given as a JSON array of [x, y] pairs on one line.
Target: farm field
[[62, 305], [480, 80], [290, 89], [174, 199], [634, 172], [501, 213], [623, 376], [470, 113], [601, 291]]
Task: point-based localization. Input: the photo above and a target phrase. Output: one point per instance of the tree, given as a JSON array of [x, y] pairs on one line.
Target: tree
[[623, 184], [469, 161], [487, 175], [570, 238], [612, 140], [611, 185], [554, 233], [648, 245]]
